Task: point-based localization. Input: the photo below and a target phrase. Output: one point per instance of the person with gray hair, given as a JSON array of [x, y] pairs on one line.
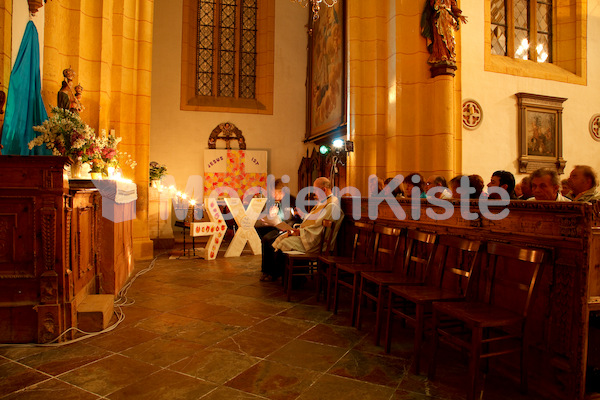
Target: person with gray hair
[[583, 182], [438, 180], [545, 185]]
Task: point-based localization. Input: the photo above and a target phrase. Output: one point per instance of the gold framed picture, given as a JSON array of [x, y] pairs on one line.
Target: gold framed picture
[[540, 132], [326, 89]]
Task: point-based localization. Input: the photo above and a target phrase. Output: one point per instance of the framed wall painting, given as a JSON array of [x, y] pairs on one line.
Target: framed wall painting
[[326, 86], [540, 132]]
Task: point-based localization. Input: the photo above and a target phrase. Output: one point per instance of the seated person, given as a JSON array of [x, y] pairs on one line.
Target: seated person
[[565, 190], [506, 181], [474, 181], [438, 180], [397, 193], [545, 185], [524, 188], [583, 183], [306, 238], [414, 180], [278, 211]]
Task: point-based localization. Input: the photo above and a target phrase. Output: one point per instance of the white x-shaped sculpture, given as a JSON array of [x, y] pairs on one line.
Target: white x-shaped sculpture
[[245, 220], [216, 228]]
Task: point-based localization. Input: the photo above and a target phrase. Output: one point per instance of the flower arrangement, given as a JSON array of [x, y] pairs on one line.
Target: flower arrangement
[[157, 171], [108, 152], [65, 134]]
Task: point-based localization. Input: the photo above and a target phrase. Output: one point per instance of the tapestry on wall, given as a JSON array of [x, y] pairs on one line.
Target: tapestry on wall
[[239, 170]]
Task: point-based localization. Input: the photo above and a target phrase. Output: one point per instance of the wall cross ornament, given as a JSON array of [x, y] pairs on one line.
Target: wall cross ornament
[[216, 229], [595, 127], [472, 114], [245, 220], [227, 132]]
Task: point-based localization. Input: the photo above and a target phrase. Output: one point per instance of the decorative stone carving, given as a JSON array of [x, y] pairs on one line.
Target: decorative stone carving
[[595, 127], [472, 114], [569, 226], [49, 288], [48, 328]]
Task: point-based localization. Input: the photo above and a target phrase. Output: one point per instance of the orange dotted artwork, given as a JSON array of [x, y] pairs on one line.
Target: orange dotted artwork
[[214, 229], [239, 170]]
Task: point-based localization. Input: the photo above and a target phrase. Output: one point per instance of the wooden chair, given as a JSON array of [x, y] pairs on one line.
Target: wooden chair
[[454, 261], [420, 246], [305, 264], [495, 324], [386, 244], [361, 254]]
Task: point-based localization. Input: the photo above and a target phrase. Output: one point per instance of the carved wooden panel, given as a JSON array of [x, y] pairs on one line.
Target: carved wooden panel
[[17, 237], [82, 244]]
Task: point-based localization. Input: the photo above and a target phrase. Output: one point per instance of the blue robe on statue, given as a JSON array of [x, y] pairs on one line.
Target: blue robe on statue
[[24, 106]]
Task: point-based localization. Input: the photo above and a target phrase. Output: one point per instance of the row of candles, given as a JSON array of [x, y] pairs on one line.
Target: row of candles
[[181, 199]]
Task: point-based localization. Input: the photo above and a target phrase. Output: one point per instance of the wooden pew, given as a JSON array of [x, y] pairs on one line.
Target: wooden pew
[[568, 290]]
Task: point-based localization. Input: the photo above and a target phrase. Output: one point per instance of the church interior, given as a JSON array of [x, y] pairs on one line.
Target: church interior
[[120, 278]]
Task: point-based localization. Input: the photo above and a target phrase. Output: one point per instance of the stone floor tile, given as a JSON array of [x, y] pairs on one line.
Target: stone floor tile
[[214, 365], [253, 344], [313, 356], [200, 310], [165, 322], [206, 333], [259, 292], [52, 389], [404, 395], [225, 393], [17, 352], [164, 384], [381, 370], [333, 335], [121, 339], [109, 374], [238, 318], [307, 313], [60, 359], [274, 380], [335, 387], [442, 387], [285, 326], [163, 351], [400, 348], [134, 314], [16, 377]]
